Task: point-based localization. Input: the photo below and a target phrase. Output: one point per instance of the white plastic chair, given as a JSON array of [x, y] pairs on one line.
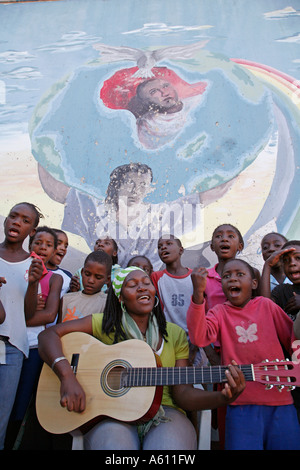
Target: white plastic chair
[[204, 427], [77, 441]]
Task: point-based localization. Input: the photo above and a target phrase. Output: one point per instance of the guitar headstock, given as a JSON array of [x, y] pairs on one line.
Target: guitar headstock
[[278, 373]]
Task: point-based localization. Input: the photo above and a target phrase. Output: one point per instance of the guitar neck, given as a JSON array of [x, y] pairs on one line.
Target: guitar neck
[[152, 376]]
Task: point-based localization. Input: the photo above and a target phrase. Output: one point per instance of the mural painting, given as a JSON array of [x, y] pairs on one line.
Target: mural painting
[[148, 127]]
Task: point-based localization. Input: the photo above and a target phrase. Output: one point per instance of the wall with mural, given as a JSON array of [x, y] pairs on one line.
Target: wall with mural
[[141, 117]]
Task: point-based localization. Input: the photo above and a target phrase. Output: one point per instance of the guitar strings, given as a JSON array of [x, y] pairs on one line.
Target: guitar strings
[[164, 374]]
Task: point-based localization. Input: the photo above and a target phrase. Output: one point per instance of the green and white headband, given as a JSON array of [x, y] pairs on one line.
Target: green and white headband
[[120, 277]]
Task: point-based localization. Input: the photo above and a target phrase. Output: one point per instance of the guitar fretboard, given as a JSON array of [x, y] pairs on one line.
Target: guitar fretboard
[[156, 376]]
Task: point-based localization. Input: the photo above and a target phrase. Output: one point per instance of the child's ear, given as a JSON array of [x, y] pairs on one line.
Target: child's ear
[[32, 233], [240, 247], [254, 284], [212, 247]]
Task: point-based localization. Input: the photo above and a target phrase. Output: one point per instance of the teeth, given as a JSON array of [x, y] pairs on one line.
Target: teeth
[[296, 274]]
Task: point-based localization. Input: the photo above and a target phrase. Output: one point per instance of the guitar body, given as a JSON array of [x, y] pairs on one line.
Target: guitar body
[[98, 373]]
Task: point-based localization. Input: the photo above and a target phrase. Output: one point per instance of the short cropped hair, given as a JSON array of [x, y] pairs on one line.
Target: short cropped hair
[[100, 257], [235, 229], [169, 236], [44, 229], [35, 209], [291, 243], [274, 233], [248, 266]]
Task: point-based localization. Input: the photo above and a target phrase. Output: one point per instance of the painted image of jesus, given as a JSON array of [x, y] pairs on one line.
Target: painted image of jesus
[[160, 113], [160, 100]]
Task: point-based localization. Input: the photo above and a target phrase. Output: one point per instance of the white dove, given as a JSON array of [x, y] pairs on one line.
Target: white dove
[[146, 60]]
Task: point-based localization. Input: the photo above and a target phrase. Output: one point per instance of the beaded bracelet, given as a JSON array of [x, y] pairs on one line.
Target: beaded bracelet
[[58, 359]]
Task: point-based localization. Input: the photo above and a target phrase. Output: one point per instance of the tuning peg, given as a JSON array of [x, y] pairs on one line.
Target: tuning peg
[[280, 387], [268, 387], [290, 388]]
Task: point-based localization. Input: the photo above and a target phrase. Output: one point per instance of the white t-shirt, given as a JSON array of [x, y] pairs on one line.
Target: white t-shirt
[[12, 296], [175, 294]]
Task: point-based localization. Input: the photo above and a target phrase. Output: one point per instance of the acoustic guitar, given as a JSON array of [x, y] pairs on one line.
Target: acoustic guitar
[[124, 381]]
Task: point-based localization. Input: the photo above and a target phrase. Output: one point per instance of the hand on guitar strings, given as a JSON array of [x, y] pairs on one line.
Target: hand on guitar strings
[[235, 384]]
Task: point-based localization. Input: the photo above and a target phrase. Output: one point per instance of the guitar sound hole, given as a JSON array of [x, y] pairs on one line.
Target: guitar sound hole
[[114, 378]]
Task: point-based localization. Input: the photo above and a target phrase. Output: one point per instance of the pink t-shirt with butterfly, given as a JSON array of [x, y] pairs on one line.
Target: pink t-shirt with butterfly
[[248, 335]]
